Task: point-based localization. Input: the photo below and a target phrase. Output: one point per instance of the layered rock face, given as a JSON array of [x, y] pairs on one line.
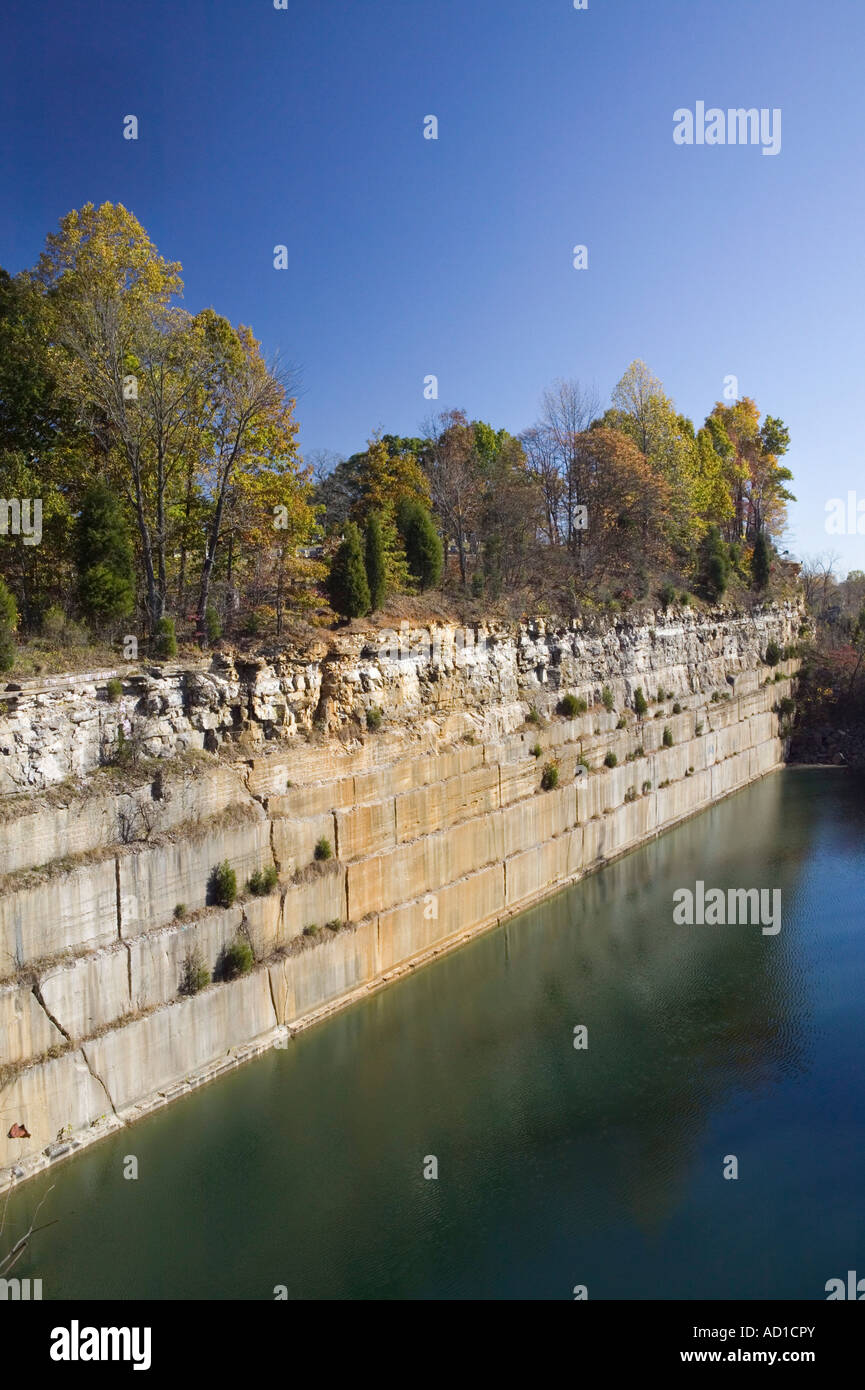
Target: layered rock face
[[387, 847], [67, 727]]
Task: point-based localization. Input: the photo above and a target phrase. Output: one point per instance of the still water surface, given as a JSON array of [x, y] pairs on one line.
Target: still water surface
[[557, 1167]]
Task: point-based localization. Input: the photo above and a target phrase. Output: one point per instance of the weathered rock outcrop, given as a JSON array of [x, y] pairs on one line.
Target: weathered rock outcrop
[[67, 727]]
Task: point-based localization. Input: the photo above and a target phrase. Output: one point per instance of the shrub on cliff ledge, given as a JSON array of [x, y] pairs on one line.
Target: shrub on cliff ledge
[[323, 850], [640, 702], [237, 959], [550, 776], [773, 653], [572, 705], [196, 975], [374, 717], [610, 759], [263, 882], [223, 885]]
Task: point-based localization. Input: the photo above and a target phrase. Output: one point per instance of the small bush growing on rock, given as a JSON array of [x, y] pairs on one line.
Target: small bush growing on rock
[[263, 881], [715, 697], [631, 794], [223, 885], [641, 704], [622, 723], [238, 959], [311, 930], [665, 783], [165, 638], [647, 787], [773, 653], [533, 717], [179, 912], [677, 708], [336, 925], [114, 690], [610, 759], [685, 599], [786, 705], [698, 727], [537, 750], [607, 699], [323, 850], [667, 595], [196, 975], [373, 719], [550, 776], [667, 736], [572, 705]]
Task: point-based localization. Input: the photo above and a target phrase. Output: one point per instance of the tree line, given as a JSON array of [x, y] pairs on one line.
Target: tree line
[[162, 447]]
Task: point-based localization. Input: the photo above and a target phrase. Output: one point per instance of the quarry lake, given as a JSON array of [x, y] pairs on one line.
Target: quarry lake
[[558, 1166]]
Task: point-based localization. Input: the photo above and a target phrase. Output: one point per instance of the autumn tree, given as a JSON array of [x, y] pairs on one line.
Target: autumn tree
[[109, 294], [249, 421], [386, 477], [43, 452], [451, 464], [626, 505]]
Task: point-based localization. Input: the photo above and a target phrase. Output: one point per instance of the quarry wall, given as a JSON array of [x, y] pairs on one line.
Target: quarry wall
[[445, 820]]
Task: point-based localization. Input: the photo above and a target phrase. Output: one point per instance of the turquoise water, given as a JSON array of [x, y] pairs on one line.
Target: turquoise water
[[556, 1167]]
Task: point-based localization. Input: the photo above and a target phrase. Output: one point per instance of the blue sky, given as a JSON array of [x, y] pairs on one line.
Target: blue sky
[[408, 256]]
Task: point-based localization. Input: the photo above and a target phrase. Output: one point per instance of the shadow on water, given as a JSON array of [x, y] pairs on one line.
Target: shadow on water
[[556, 1166]]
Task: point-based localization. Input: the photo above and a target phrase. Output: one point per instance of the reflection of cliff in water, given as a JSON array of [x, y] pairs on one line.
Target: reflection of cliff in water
[[677, 1017]]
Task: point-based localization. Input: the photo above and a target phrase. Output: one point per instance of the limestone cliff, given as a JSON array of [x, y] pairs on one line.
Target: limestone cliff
[[443, 821]]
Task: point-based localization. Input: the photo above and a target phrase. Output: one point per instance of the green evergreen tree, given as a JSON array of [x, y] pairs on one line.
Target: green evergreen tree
[[348, 589], [715, 568], [376, 570], [106, 583], [423, 546], [8, 624], [166, 638], [760, 563]]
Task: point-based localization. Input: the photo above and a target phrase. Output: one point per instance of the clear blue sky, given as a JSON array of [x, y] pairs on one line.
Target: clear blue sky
[[407, 256]]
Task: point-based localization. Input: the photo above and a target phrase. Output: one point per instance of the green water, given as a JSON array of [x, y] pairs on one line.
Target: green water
[[556, 1167]]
